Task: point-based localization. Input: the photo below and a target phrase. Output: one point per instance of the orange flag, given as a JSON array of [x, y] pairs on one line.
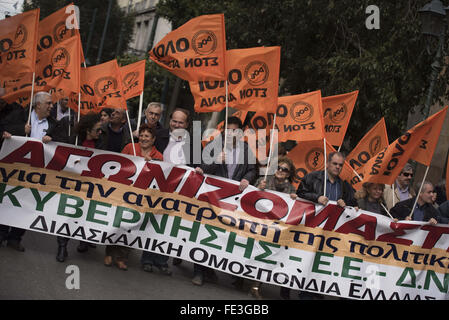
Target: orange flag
[[18, 36], [337, 111], [53, 30], [253, 80], [299, 117], [57, 64], [308, 156], [374, 141], [424, 153], [101, 86], [195, 51], [60, 69], [57, 68], [133, 76], [386, 166]]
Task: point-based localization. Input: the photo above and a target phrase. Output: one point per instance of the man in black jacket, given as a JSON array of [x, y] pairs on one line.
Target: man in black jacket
[[312, 185], [115, 134], [443, 212], [424, 210], [12, 123], [234, 163]]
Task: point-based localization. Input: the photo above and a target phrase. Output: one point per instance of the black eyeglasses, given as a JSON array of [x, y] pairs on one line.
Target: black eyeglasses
[[406, 174], [283, 169]]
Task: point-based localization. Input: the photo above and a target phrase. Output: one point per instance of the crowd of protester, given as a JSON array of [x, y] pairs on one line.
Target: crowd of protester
[[109, 130]]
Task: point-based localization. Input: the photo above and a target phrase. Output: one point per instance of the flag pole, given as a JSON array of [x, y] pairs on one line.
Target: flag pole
[[70, 118], [392, 190], [325, 165], [419, 192], [271, 147], [79, 115], [79, 106], [139, 116], [226, 119], [31, 100], [130, 131]]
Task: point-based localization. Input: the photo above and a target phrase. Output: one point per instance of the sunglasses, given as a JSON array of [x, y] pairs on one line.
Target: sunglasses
[[283, 169], [406, 174]]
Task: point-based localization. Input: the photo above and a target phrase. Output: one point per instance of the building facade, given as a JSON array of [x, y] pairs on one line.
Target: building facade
[[149, 29]]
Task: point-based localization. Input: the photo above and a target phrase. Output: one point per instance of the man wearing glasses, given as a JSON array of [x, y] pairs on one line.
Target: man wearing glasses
[[401, 189], [312, 185], [153, 115]]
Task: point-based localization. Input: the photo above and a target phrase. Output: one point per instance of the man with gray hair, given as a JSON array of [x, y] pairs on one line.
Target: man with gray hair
[[423, 211], [153, 114], [41, 124], [401, 189]]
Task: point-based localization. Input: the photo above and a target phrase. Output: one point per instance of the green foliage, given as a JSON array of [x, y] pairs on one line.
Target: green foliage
[[326, 45], [117, 21]]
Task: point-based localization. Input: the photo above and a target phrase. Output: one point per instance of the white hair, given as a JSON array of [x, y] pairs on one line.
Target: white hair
[[39, 97], [154, 104]]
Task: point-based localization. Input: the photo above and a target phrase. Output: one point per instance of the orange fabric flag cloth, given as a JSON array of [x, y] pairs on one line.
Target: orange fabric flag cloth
[[57, 68], [299, 117], [195, 51], [386, 166], [308, 156], [53, 30], [133, 77], [253, 81], [337, 111], [374, 141], [101, 86], [18, 36]]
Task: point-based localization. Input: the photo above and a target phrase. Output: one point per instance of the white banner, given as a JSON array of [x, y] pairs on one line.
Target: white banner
[[115, 199]]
